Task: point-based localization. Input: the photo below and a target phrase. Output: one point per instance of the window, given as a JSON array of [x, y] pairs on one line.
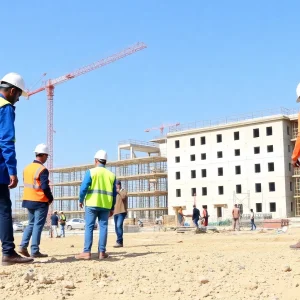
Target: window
[[290, 167], [203, 173], [236, 135], [256, 150], [255, 132], [203, 156], [177, 175], [178, 192], [204, 191], [291, 186], [272, 186], [177, 159], [237, 170], [258, 207], [271, 167], [272, 207], [193, 190], [237, 152], [257, 168], [192, 142], [238, 188], [270, 148], [257, 187], [220, 171], [193, 174], [193, 157], [288, 130], [289, 148], [269, 130], [219, 138], [202, 140], [177, 144], [292, 206], [219, 154], [221, 190]]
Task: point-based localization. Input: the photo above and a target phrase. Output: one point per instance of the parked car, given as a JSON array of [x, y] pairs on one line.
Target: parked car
[[77, 223], [18, 226]]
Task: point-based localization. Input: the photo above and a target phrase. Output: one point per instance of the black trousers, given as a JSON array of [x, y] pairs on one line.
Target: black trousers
[[6, 224]]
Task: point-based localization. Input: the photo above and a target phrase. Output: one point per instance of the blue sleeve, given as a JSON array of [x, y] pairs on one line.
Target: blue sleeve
[[85, 186], [7, 138], [114, 195], [44, 178]]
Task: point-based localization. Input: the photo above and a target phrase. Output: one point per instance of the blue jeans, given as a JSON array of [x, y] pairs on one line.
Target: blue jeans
[[196, 222], [119, 220], [6, 224], [253, 226], [36, 221], [91, 214], [62, 230]]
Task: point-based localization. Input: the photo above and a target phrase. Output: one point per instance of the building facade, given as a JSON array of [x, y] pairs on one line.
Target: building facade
[[245, 162]]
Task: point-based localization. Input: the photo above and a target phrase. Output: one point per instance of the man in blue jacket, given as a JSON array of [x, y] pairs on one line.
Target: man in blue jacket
[[11, 88]]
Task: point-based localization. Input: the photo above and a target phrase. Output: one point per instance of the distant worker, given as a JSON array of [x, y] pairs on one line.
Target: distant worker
[[253, 226], [98, 190], [36, 199], [205, 215], [296, 152], [120, 213], [180, 216], [196, 215], [54, 224], [236, 217], [62, 223], [12, 86]]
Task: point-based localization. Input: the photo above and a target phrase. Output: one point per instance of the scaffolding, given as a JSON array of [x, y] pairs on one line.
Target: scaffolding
[[144, 178]]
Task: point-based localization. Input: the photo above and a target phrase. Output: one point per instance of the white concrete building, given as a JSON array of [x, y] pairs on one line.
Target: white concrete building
[[245, 162]]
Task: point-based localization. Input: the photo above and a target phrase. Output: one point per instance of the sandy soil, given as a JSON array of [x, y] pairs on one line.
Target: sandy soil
[[163, 265]]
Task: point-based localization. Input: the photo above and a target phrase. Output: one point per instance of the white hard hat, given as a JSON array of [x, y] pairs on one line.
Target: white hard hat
[[16, 80], [41, 149], [298, 92], [101, 155]]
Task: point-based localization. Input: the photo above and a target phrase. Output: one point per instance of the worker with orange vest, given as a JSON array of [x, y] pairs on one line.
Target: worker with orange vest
[[296, 152], [37, 196]]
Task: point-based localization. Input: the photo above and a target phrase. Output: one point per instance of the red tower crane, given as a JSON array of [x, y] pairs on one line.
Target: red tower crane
[[51, 83], [162, 127]]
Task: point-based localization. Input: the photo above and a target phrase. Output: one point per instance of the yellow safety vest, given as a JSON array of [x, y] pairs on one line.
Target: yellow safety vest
[[4, 102], [100, 192]]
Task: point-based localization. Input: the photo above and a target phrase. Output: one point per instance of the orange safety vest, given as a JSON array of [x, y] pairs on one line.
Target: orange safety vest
[[296, 152], [32, 183]]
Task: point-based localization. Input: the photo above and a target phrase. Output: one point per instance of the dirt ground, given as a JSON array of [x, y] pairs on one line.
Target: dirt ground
[[163, 265]]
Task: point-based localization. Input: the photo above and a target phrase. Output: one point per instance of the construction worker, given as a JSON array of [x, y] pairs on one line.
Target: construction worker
[[98, 189], [120, 213], [62, 222], [296, 152], [37, 197], [12, 86], [54, 224]]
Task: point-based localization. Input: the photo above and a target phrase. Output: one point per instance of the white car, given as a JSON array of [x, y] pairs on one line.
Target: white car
[[18, 226], [77, 223]]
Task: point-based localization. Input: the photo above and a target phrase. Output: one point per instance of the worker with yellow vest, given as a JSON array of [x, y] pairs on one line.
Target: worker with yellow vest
[[12, 86], [37, 197], [98, 190]]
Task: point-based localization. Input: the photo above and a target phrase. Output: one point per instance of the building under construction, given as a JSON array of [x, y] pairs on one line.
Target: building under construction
[[142, 169]]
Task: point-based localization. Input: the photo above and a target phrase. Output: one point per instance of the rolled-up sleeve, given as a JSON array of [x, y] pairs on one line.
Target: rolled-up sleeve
[[7, 138]]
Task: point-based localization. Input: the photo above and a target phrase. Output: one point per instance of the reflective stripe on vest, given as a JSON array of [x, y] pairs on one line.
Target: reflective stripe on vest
[[32, 184], [100, 193]]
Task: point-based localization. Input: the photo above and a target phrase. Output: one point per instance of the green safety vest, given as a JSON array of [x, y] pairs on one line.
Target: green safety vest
[[100, 192]]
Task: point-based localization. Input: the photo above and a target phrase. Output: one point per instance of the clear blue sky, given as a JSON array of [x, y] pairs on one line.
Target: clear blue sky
[[205, 60]]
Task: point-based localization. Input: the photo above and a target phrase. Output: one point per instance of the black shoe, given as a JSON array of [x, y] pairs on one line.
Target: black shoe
[[39, 255], [13, 259]]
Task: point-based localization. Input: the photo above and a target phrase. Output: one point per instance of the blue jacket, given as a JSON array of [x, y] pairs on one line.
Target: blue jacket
[[87, 181], [8, 161]]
